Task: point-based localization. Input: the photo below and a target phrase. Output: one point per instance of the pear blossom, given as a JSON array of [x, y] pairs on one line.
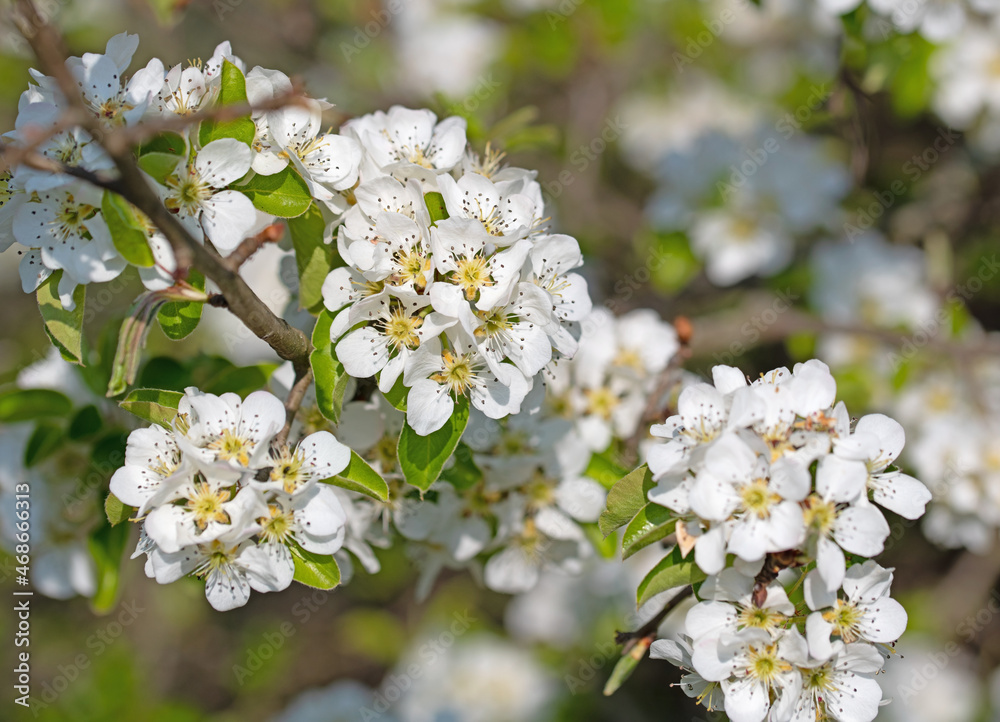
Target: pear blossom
[[195, 191], [67, 228], [868, 614]]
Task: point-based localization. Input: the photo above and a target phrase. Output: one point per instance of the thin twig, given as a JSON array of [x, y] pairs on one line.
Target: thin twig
[[648, 630], [303, 378], [249, 246]]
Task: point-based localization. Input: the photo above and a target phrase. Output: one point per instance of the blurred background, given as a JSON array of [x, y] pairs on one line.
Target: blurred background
[[795, 181]]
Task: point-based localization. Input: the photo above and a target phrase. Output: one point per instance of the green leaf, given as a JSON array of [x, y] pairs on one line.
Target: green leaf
[[284, 194], [421, 458], [86, 423], [604, 471], [625, 666], [436, 207], [180, 318], [464, 473], [397, 395], [241, 380], [116, 511], [64, 328], [313, 257], [166, 142], [652, 523], [315, 570], [154, 405], [28, 404], [44, 440], [232, 91], [331, 379], [362, 478], [106, 547], [127, 231], [159, 165], [625, 499], [673, 571]]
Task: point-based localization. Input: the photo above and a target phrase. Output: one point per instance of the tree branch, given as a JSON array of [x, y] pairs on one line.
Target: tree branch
[[648, 630]]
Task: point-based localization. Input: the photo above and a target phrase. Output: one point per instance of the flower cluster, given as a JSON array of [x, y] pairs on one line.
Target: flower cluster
[[771, 475], [219, 500], [200, 175], [453, 287]]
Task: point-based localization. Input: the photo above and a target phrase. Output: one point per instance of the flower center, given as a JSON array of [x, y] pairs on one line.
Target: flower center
[[764, 663], [187, 192], [601, 401], [219, 556], [206, 505], [760, 618], [758, 498], [819, 515], [401, 329], [229, 446], [412, 266], [845, 618], [287, 470], [70, 219], [495, 323], [458, 374], [277, 527], [471, 275]]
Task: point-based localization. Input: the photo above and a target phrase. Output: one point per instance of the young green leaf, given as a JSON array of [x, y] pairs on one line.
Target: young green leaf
[[625, 499], [603, 470], [107, 546], [153, 405], [397, 395], [283, 194], [232, 91], [313, 258], [464, 473], [127, 230], [28, 404], [44, 440], [673, 571], [166, 142], [159, 165], [180, 318], [116, 511], [625, 666], [331, 379], [64, 328], [362, 478], [650, 525], [421, 458], [314, 570], [87, 422], [435, 206]]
